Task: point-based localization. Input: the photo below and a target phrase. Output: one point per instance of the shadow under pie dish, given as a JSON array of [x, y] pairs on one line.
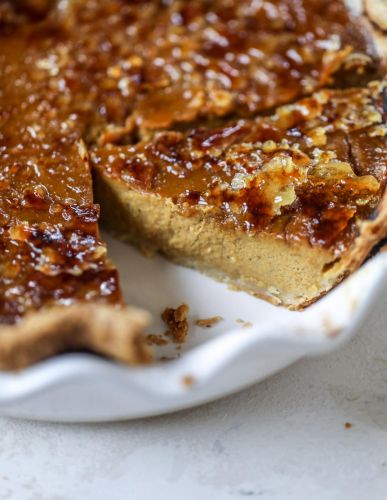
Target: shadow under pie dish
[[164, 98]]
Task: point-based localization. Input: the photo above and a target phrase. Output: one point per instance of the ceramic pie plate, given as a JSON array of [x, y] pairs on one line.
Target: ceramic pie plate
[[252, 341]]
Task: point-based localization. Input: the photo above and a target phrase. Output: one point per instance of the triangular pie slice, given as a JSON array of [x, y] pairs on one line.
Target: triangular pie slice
[[58, 290], [55, 275], [283, 206]]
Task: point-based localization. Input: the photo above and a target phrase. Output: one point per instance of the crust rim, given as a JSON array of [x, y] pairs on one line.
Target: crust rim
[[102, 329]]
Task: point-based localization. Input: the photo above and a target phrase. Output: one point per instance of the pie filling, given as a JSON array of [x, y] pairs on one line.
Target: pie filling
[[196, 121]]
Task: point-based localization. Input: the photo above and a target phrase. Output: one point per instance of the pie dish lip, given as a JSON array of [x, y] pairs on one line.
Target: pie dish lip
[[61, 388]]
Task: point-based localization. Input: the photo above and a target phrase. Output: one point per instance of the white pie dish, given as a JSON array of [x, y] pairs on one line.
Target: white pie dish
[[214, 362]]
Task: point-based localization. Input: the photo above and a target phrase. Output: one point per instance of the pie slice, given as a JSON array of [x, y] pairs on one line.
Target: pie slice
[[58, 289], [51, 255], [283, 206], [51, 258]]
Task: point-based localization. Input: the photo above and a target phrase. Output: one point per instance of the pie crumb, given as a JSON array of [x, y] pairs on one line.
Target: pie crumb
[[208, 322], [155, 339], [176, 320], [165, 359], [348, 425], [243, 323], [188, 380]]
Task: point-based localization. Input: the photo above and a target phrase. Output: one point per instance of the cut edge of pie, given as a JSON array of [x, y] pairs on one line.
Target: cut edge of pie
[[177, 237]]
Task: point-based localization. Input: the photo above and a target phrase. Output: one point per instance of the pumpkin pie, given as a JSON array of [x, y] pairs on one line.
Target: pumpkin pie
[[283, 206], [196, 121]]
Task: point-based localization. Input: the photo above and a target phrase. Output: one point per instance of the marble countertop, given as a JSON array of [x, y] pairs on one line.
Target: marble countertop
[[315, 430]]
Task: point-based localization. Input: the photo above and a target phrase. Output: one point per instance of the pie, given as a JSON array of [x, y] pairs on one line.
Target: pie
[[228, 135], [303, 188]]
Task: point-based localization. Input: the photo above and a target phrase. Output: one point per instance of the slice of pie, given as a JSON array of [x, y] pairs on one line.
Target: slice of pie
[[58, 290], [51, 258], [283, 206]]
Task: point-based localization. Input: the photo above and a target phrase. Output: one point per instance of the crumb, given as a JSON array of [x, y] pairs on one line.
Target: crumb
[[208, 322], [335, 332], [165, 359], [188, 380], [348, 425], [153, 339], [332, 331], [176, 320], [243, 323]]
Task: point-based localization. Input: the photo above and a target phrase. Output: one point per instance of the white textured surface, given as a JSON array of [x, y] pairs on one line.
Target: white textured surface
[[283, 438]]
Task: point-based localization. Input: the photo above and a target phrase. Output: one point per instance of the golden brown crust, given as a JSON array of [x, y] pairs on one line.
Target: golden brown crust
[[371, 233], [106, 330]]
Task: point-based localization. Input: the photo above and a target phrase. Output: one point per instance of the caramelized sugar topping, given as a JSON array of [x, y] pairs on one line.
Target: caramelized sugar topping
[[50, 252], [44, 264], [310, 171], [122, 68]]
